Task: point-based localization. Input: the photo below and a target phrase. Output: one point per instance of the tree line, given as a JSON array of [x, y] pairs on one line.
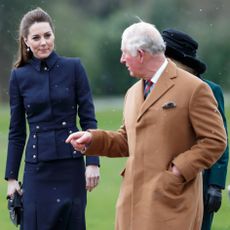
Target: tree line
[[92, 31]]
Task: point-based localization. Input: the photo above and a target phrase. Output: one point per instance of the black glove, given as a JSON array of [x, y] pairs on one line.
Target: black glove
[[15, 208], [213, 198]]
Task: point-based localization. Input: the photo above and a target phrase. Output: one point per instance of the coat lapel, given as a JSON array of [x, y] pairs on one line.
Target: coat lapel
[[164, 84], [134, 101]]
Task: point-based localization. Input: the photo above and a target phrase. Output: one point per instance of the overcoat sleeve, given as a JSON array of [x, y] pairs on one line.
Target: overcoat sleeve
[[109, 143], [17, 129]]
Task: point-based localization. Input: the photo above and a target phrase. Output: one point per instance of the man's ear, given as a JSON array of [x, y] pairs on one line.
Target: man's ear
[[141, 54]]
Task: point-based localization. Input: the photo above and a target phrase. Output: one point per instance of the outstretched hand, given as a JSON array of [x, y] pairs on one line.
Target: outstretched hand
[[80, 140]]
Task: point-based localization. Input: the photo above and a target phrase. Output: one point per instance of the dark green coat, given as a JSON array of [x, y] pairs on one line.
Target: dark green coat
[[216, 175]]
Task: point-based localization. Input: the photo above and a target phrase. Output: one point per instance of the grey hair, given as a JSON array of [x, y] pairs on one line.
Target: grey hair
[[144, 36]]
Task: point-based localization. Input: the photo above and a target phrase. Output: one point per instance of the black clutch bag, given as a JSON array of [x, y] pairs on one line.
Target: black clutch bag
[[15, 208]]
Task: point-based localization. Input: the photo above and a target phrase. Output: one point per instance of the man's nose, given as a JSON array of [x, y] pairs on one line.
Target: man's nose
[[122, 59]]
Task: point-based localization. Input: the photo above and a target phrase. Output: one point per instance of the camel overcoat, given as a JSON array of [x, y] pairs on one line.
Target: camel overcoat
[[178, 123]]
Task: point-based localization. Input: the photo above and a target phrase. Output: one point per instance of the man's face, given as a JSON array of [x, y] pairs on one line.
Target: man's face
[[132, 63]]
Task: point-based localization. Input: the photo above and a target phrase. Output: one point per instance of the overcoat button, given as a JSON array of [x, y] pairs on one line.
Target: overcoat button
[[34, 136], [63, 123], [34, 156], [37, 127], [34, 146]]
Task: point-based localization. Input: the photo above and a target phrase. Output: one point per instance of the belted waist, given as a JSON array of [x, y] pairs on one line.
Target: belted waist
[[47, 126], [47, 141]]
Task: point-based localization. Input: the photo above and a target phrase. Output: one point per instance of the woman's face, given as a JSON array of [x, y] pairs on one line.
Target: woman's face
[[40, 39]]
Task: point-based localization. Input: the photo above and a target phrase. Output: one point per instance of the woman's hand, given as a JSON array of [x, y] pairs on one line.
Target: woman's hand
[[92, 176], [13, 186]]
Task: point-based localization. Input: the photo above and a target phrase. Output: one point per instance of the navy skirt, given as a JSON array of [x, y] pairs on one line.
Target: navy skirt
[[54, 195]]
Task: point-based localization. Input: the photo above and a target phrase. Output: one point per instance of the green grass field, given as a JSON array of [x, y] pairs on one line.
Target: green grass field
[[101, 202]]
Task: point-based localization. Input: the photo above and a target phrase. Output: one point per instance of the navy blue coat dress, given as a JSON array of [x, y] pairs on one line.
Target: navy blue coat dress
[[50, 96]]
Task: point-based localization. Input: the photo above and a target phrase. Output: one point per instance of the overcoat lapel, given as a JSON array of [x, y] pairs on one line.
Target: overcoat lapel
[[164, 84]]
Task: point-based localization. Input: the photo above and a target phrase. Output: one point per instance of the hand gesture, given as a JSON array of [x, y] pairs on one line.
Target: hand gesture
[[80, 140]]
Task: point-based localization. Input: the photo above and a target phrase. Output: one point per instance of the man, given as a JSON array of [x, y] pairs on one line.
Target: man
[[169, 138], [182, 49]]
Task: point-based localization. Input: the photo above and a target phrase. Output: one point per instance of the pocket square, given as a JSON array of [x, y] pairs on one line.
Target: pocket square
[[169, 105]]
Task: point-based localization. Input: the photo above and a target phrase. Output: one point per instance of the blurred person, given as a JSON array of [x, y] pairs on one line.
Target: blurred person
[[182, 48], [49, 91], [168, 133]]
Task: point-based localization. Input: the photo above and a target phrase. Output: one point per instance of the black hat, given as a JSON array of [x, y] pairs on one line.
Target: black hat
[[182, 48]]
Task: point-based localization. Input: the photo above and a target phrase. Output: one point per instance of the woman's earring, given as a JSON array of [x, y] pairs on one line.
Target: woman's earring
[[28, 49]]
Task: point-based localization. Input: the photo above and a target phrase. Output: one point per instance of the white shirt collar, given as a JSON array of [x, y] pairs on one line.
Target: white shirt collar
[[157, 75]]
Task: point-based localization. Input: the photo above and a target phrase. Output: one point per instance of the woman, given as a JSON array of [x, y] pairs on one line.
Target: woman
[[49, 91]]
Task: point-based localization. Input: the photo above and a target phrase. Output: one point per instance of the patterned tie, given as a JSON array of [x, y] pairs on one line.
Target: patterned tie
[[148, 87]]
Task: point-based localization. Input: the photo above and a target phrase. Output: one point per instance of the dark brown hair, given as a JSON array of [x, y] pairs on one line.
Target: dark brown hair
[[36, 15]]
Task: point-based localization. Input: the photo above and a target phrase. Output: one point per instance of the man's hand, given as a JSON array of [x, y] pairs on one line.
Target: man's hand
[[213, 198], [80, 140], [175, 171]]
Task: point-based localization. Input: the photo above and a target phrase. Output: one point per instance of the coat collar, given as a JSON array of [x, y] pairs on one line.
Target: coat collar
[[163, 85], [50, 61]]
